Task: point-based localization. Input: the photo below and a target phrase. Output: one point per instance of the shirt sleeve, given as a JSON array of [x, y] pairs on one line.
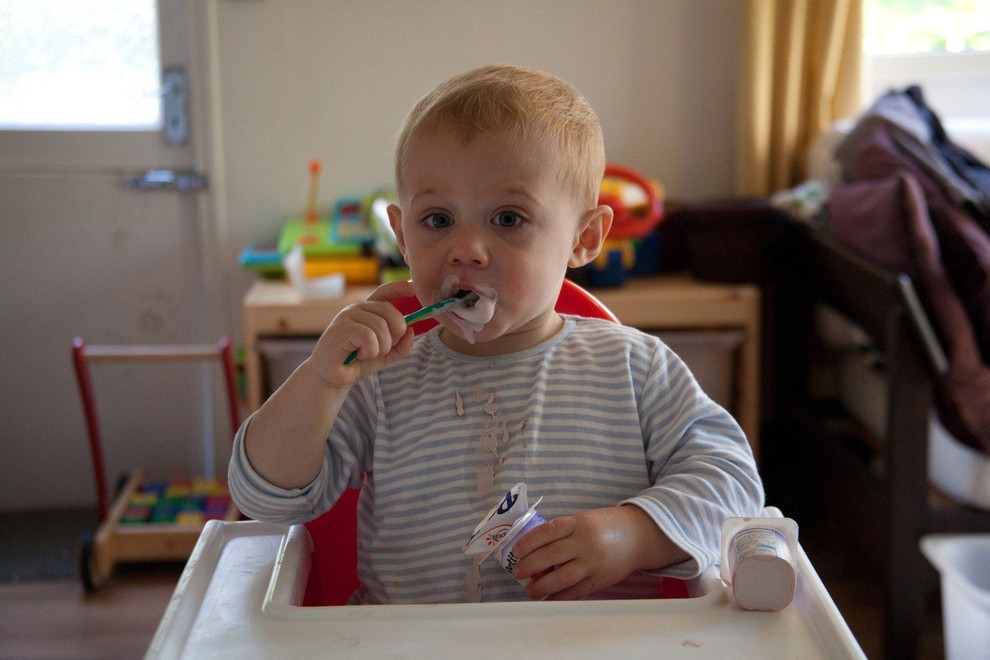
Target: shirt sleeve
[[258, 499], [701, 466]]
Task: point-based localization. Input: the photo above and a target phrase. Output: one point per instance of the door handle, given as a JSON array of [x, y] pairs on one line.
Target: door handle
[[175, 106], [178, 180]]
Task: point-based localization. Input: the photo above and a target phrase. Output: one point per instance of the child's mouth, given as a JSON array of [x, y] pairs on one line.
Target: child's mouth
[[471, 316], [469, 297]]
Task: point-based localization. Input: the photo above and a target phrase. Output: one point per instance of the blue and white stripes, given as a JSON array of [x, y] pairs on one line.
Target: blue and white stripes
[[599, 415]]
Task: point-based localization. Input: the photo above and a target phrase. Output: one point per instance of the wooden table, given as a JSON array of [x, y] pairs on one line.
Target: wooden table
[[272, 308]]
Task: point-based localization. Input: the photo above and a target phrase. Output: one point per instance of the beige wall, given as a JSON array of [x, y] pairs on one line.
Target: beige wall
[[302, 79], [276, 83]]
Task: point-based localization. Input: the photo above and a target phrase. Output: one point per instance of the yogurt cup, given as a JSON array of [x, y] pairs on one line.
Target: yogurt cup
[[497, 533], [503, 551], [758, 561]]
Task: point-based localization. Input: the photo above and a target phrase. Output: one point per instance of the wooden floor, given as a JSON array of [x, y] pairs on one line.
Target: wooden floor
[[854, 583], [56, 619]]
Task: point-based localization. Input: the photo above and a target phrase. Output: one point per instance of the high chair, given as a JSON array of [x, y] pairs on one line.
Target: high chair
[[333, 572], [125, 533]]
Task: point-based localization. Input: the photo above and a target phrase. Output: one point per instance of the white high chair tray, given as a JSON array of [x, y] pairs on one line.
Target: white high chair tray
[[239, 597]]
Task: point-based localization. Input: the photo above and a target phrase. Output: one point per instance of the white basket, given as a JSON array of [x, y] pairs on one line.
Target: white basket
[[963, 561]]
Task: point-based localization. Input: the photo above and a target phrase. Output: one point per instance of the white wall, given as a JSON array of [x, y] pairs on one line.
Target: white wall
[[302, 79]]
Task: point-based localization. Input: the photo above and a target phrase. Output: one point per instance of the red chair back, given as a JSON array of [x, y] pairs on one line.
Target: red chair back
[[573, 299], [333, 568]]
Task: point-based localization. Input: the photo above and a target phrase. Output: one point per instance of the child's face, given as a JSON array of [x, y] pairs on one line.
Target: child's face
[[492, 215]]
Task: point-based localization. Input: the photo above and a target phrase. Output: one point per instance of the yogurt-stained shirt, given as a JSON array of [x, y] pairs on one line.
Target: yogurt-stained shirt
[[599, 415]]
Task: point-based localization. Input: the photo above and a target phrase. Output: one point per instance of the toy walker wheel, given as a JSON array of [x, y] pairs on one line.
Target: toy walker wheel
[[87, 563]]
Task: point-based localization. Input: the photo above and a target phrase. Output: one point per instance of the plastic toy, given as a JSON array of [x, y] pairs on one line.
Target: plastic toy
[[344, 234], [355, 241], [393, 265], [314, 186], [341, 244], [262, 258], [637, 202], [637, 205], [183, 502]]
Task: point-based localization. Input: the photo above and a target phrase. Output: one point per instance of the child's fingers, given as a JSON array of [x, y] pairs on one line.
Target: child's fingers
[[568, 581], [589, 551], [543, 548], [373, 329], [541, 536], [381, 327], [393, 290], [404, 347], [363, 335]]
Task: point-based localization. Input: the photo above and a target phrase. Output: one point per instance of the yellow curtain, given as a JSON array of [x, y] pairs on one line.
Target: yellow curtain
[[802, 71]]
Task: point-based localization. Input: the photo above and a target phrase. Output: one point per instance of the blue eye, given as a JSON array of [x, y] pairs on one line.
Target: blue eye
[[507, 219], [439, 220]]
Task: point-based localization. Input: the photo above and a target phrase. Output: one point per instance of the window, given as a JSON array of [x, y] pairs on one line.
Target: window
[[900, 27], [941, 45], [79, 65]]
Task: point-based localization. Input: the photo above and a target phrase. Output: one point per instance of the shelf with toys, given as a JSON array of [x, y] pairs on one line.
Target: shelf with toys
[[320, 254]]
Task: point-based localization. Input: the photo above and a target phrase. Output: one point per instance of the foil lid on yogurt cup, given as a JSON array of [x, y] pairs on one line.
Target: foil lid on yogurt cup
[[503, 523]]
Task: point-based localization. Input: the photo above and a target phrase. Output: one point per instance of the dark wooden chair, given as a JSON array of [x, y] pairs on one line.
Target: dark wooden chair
[[890, 509]]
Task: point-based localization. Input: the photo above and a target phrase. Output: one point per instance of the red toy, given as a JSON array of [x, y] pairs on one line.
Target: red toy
[[631, 221]]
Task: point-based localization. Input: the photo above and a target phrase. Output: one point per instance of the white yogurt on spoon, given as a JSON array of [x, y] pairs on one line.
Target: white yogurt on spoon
[[471, 318]]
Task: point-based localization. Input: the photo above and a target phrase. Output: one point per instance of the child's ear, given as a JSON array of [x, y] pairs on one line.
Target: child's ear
[[395, 220], [591, 237]]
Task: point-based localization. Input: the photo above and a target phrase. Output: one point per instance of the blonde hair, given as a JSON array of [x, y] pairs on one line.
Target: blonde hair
[[528, 104]]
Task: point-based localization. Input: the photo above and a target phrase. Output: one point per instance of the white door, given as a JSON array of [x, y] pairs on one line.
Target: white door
[[81, 253]]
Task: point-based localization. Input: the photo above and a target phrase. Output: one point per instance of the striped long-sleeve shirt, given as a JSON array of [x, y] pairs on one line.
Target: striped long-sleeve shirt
[[597, 416]]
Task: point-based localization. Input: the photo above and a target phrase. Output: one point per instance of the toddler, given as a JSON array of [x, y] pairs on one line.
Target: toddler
[[498, 172]]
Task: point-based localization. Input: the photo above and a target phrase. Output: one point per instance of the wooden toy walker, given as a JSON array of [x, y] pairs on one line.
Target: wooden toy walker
[[148, 520]]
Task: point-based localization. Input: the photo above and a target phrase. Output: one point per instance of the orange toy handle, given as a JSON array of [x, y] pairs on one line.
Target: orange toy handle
[[633, 223], [314, 185]]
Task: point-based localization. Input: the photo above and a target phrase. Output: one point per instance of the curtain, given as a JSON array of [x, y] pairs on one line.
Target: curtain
[[801, 71]]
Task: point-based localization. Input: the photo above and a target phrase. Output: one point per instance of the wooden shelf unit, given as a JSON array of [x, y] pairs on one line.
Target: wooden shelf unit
[[272, 308]]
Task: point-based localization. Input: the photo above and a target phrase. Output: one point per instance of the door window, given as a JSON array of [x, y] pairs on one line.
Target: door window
[[79, 65]]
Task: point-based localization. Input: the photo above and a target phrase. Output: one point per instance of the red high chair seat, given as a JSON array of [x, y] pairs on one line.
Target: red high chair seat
[[333, 569]]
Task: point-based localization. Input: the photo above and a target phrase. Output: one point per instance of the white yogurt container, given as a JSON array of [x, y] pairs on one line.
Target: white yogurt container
[[758, 561], [505, 524]]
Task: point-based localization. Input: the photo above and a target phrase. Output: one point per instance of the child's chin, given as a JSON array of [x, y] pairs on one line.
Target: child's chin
[[481, 337]]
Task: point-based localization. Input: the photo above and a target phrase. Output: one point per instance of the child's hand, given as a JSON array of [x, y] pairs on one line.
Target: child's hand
[[287, 438], [591, 551], [374, 328]]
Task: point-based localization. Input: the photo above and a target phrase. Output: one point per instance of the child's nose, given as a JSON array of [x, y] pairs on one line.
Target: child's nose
[[468, 249]]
